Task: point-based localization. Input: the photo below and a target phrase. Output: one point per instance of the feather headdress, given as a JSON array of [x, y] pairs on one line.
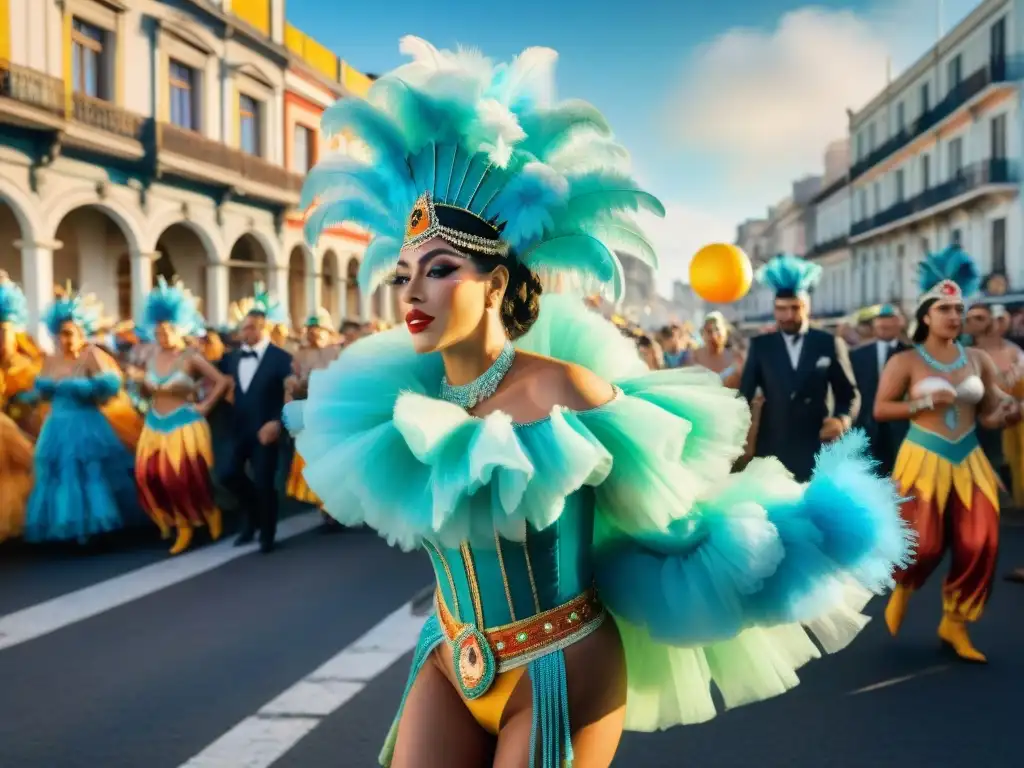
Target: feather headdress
[[319, 319], [261, 301], [13, 304], [70, 306], [789, 276], [174, 304], [536, 180], [948, 275]]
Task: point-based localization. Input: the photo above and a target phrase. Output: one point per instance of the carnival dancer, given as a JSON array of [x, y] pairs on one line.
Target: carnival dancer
[[868, 361], [175, 453], [951, 490], [317, 354], [84, 474], [526, 447], [796, 368], [715, 355], [17, 379], [259, 370]]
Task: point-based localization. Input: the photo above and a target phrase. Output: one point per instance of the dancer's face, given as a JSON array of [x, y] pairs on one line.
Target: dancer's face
[[945, 319], [167, 336], [70, 338], [449, 297], [317, 337], [714, 335]]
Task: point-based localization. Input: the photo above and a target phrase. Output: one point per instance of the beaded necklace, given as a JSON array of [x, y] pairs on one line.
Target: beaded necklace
[[468, 396]]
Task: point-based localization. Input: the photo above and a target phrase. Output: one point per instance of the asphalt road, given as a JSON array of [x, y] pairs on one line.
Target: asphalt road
[[154, 682]]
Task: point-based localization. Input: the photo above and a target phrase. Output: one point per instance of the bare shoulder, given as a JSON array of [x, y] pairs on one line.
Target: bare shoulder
[[558, 383], [980, 357]]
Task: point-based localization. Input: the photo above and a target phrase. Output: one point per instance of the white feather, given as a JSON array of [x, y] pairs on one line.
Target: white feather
[[532, 74], [420, 51]]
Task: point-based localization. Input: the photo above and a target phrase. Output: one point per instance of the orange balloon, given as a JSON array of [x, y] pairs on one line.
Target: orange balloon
[[720, 273]]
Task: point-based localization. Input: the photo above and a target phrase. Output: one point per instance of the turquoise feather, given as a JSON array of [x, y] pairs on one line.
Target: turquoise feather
[[573, 253], [952, 263], [786, 272], [13, 304], [548, 130]]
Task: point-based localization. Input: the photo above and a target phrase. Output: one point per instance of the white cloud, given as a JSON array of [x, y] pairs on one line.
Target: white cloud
[[765, 103], [683, 232]]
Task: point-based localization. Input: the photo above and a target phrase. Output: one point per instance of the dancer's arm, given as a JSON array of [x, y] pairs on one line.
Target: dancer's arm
[[890, 402]]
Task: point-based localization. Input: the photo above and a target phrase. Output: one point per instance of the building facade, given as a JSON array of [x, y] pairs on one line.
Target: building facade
[[936, 160], [146, 139]]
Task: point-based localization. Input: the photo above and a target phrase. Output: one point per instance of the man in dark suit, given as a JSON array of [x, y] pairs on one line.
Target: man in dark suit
[[797, 369], [259, 370], [868, 360]]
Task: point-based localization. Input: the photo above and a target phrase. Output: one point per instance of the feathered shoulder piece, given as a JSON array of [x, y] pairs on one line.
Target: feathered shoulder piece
[[171, 303], [13, 305], [480, 154], [70, 306], [789, 276], [949, 275], [260, 301]]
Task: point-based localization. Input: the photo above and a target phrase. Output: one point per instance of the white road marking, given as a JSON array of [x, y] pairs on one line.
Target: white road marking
[[51, 615], [262, 739], [902, 679]]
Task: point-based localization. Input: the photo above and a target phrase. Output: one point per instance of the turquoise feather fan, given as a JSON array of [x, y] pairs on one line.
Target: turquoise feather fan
[[488, 138], [786, 273], [172, 304], [13, 304], [953, 264], [72, 308]]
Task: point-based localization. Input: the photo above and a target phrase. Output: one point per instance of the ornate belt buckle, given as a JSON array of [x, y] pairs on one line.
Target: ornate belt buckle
[[474, 662]]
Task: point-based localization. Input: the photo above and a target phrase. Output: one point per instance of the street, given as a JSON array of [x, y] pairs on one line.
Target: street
[[223, 658]]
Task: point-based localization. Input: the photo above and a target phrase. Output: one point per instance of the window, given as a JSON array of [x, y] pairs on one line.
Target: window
[[860, 147], [302, 149], [249, 133], [954, 73], [997, 41], [878, 197], [998, 137], [89, 60], [956, 158], [926, 172], [901, 123], [878, 277], [871, 138], [862, 203], [184, 96], [926, 103], [999, 245], [954, 237], [899, 186]]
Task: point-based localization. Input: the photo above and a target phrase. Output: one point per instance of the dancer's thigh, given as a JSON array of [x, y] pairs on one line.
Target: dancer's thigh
[[436, 729], [596, 674]]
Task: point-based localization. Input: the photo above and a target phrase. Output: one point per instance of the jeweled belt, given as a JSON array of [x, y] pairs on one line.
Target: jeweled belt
[[478, 655]]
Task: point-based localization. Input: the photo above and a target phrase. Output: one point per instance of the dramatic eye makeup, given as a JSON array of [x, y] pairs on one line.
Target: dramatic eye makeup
[[447, 263]]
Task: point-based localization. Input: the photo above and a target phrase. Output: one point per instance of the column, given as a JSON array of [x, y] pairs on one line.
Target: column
[[342, 288], [365, 304], [314, 293], [217, 294], [142, 281], [277, 284], [37, 282]]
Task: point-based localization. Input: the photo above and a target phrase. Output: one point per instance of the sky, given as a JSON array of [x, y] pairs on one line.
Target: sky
[[722, 105]]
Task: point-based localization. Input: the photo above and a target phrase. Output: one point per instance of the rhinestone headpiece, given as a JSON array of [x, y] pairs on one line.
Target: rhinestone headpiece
[[944, 290], [423, 224]]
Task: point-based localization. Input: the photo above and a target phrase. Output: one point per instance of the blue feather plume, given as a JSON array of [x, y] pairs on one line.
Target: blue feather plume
[[786, 272], [168, 303], [72, 308], [489, 139], [952, 263], [13, 304]]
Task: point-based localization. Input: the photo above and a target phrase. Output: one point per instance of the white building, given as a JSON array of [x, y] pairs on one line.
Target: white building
[[142, 139], [935, 160]]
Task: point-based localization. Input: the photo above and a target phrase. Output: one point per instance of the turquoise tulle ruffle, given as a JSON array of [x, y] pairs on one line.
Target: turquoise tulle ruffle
[[84, 476], [712, 576]]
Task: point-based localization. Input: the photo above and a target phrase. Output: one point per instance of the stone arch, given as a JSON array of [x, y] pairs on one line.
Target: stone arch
[[250, 259], [331, 297], [353, 298], [185, 251], [25, 212], [211, 239], [95, 255], [16, 223], [300, 277], [66, 205]]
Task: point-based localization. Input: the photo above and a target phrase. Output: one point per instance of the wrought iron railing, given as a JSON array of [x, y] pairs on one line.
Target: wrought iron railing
[[33, 88], [108, 117]]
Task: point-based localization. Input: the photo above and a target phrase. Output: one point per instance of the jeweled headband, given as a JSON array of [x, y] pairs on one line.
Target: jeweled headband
[[944, 290], [424, 223]]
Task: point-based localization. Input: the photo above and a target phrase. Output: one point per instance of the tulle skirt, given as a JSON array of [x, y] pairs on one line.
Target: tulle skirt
[[172, 468], [15, 477]]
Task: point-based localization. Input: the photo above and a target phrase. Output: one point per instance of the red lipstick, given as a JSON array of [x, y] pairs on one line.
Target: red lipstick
[[417, 321]]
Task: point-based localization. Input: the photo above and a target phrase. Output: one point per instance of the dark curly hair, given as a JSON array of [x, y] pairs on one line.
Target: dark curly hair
[[521, 303]]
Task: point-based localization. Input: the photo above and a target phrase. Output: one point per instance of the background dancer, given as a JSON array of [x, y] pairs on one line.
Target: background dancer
[[175, 453], [797, 368], [952, 492]]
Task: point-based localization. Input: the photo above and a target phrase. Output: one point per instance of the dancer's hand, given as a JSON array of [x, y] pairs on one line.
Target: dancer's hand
[[831, 429], [269, 433], [942, 399]]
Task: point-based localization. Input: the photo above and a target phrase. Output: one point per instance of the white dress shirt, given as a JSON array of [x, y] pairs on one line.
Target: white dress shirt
[[883, 349], [794, 343], [247, 365]]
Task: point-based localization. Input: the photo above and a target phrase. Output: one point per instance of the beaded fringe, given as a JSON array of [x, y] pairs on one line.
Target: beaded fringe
[[550, 713], [430, 637]]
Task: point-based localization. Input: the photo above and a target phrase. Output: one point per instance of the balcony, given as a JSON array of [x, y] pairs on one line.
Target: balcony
[[972, 181], [29, 98], [189, 154], [820, 249], [997, 71]]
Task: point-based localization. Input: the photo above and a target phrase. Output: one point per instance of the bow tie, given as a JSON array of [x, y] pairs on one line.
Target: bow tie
[[250, 353], [793, 337]]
